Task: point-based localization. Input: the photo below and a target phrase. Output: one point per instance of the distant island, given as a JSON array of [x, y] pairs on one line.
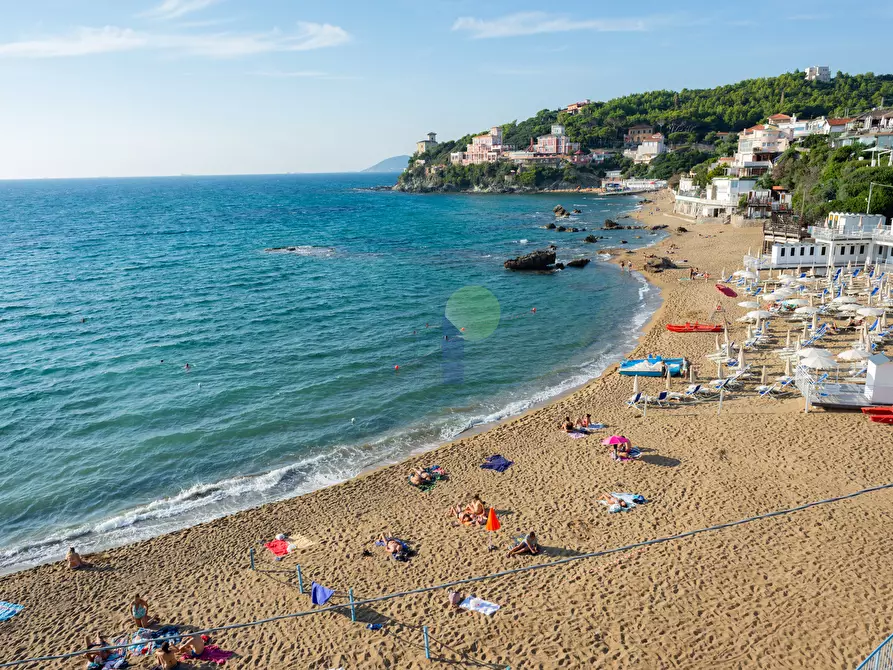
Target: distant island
[[392, 164], [652, 136]]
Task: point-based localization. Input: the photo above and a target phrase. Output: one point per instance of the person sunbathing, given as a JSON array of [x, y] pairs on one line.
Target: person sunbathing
[[139, 612], [98, 657], [527, 545], [193, 645], [420, 477], [473, 513], [167, 658], [75, 562], [393, 546], [613, 500]]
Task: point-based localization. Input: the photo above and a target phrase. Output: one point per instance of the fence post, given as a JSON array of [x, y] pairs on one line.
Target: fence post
[[353, 609], [251, 556], [300, 581], [427, 645]]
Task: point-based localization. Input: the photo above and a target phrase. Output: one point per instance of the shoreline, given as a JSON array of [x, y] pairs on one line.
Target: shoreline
[[743, 596], [75, 534]]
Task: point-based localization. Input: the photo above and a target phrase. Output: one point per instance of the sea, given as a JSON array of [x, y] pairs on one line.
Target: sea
[[161, 367]]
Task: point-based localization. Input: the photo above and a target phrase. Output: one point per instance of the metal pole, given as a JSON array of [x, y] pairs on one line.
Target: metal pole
[[251, 556], [721, 393], [870, 186], [300, 580], [353, 609], [427, 643]]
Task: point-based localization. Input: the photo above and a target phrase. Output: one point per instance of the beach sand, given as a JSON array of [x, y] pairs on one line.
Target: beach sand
[[806, 590]]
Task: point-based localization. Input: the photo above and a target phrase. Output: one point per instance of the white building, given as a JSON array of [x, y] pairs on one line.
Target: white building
[[423, 145], [650, 148], [758, 146], [719, 199], [843, 238], [821, 73]]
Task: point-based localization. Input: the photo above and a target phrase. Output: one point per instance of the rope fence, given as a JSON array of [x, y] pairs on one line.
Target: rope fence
[[471, 580]]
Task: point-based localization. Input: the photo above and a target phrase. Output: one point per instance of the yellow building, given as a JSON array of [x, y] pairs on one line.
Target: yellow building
[[423, 145]]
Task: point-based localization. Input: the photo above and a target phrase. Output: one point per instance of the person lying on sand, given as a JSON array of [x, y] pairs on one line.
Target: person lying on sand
[[611, 500], [98, 657], [396, 548], [527, 545], [472, 514], [419, 477], [193, 645], [139, 612], [567, 425], [167, 658], [75, 562]]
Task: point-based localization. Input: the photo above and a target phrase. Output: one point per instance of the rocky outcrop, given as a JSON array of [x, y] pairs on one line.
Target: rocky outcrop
[[590, 239], [659, 264], [550, 226], [610, 224], [660, 227], [579, 262], [577, 211], [560, 212], [681, 229], [541, 259]]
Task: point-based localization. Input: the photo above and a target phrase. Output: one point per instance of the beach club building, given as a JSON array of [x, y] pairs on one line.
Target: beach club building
[[719, 199], [844, 238]]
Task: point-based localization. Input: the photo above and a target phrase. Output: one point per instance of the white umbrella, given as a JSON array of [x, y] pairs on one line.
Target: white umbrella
[[819, 360], [635, 384], [844, 298], [815, 321], [763, 376], [746, 274], [809, 351], [808, 311], [759, 314], [853, 355], [741, 358], [749, 304], [796, 302], [870, 311]]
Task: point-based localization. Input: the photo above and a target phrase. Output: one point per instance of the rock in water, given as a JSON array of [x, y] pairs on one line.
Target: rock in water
[[591, 239], [577, 211], [610, 224], [560, 212], [579, 263], [541, 259], [550, 226]]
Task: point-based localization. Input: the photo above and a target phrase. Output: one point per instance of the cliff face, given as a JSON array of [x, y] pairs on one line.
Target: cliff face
[[434, 183]]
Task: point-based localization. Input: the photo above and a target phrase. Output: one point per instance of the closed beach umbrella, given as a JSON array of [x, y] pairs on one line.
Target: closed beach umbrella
[[853, 355], [870, 311], [819, 360], [787, 340], [815, 321], [635, 384], [741, 358], [787, 367], [749, 304], [615, 439], [763, 376], [668, 378], [492, 526]]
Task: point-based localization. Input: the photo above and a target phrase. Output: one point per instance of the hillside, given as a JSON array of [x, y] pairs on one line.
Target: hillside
[[686, 117], [392, 164]]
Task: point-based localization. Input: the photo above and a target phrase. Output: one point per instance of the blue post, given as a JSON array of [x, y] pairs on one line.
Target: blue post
[[353, 610], [300, 581], [427, 646], [251, 556]]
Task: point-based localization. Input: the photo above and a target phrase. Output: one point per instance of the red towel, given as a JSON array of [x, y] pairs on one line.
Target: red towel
[[278, 547], [213, 654]]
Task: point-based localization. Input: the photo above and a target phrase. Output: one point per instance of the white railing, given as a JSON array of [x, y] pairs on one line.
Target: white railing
[[881, 658]]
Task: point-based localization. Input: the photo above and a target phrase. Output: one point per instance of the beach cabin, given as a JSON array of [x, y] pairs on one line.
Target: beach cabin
[[879, 380]]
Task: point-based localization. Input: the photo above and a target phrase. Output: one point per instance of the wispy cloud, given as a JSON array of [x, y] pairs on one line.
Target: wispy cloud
[[111, 39], [174, 9], [536, 23]]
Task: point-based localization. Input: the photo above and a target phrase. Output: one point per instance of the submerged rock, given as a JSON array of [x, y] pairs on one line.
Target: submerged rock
[[579, 262], [590, 239]]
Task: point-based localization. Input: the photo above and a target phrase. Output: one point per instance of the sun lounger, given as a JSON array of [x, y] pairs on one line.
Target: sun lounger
[[635, 401]]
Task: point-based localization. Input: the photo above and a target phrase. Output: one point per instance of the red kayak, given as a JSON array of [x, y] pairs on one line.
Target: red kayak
[[882, 418], [878, 411], [694, 328], [726, 291]]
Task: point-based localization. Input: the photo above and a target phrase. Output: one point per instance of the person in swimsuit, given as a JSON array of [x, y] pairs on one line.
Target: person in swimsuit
[[98, 657], [167, 658], [612, 500], [393, 546], [420, 477], [139, 612], [527, 545], [193, 645], [75, 562]]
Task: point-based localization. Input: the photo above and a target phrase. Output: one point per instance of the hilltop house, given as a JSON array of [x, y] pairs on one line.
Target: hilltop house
[[820, 73], [758, 146], [423, 145], [650, 147], [574, 108], [638, 133]]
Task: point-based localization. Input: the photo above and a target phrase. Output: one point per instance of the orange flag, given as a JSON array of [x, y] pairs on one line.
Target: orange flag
[[492, 521]]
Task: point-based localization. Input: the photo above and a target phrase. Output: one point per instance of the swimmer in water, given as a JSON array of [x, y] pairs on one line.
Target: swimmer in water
[[187, 367]]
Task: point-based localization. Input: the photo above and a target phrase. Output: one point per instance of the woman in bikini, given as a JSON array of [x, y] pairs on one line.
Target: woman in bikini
[[98, 657], [420, 477]]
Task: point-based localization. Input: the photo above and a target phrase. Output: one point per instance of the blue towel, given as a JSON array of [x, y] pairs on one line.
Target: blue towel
[[497, 463], [9, 610], [319, 594]]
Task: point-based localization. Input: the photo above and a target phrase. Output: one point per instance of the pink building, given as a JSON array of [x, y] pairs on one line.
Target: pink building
[[485, 148]]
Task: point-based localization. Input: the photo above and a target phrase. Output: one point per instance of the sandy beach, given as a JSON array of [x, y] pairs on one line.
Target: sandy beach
[[806, 590]]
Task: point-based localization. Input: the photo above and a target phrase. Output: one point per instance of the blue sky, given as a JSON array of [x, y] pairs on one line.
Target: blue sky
[[157, 87]]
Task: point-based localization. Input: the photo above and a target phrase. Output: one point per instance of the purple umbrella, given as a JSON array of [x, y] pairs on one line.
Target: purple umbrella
[[615, 439]]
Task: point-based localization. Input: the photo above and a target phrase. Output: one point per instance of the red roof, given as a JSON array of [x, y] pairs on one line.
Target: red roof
[[779, 117], [779, 188], [759, 126], [839, 122]]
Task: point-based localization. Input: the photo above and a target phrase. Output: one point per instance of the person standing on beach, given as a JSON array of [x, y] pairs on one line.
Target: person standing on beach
[[139, 612]]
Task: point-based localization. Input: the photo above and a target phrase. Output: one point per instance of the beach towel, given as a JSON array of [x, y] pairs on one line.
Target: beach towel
[[634, 454], [145, 640], [299, 542], [437, 473], [278, 547], [631, 500], [212, 654], [577, 434], [497, 462], [473, 604], [9, 610], [319, 594]]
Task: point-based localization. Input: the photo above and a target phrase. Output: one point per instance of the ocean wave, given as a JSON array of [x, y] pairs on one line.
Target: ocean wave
[[315, 252]]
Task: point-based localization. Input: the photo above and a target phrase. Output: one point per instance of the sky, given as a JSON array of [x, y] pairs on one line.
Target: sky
[[166, 87]]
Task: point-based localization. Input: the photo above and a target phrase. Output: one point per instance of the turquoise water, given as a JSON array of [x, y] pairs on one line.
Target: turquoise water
[[291, 384]]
